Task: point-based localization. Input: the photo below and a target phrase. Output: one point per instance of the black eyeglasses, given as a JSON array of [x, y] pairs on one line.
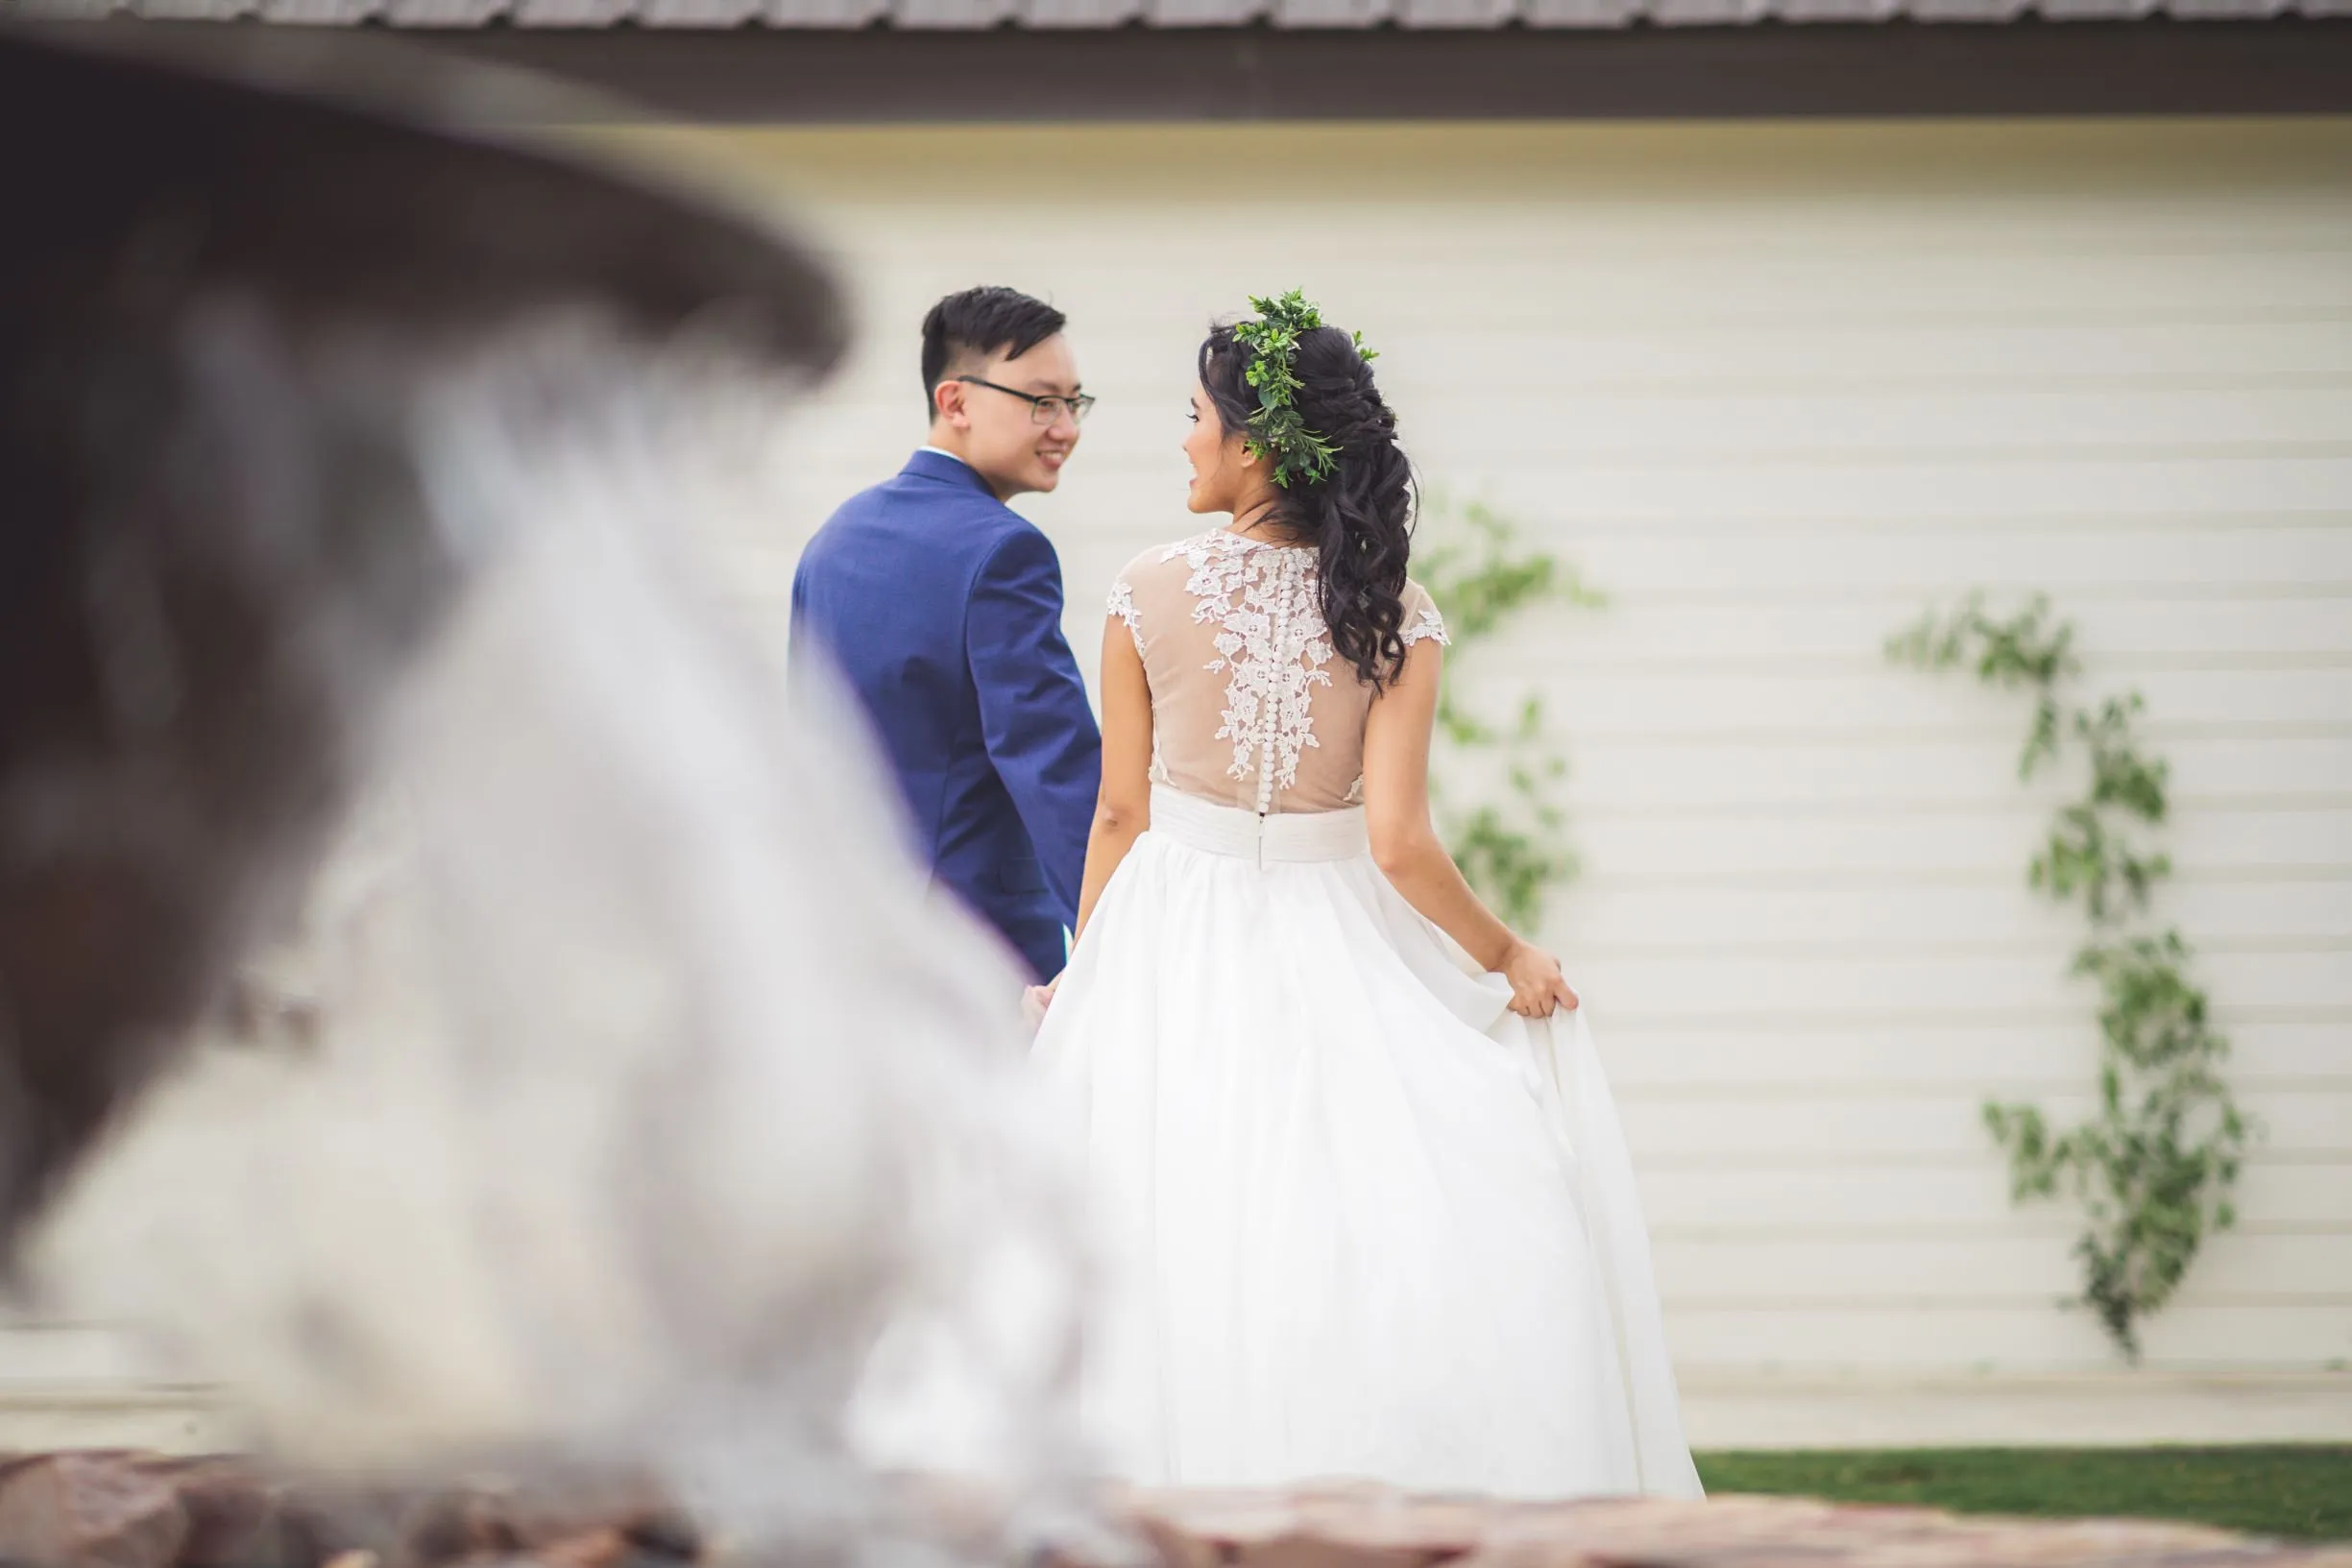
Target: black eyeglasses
[[1041, 410]]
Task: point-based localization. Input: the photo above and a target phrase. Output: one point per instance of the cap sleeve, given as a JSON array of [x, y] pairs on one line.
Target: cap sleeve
[[1120, 605], [1422, 618]]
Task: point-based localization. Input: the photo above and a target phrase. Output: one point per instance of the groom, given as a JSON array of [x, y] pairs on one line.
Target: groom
[[942, 606]]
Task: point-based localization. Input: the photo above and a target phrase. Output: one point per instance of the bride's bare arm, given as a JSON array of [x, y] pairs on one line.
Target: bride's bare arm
[[1123, 808], [1405, 842]]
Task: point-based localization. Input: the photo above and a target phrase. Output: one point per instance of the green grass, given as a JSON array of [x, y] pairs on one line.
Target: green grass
[[2297, 1493]]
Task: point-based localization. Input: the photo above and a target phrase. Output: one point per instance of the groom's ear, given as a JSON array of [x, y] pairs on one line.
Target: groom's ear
[[947, 404]]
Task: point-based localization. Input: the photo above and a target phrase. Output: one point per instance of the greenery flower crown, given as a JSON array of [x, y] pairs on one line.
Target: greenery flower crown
[[1278, 431]]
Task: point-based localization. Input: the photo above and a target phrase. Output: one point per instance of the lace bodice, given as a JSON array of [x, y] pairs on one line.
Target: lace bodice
[[1250, 705]]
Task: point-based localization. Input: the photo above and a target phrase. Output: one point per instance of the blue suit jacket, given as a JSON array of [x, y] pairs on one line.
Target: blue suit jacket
[[943, 606]]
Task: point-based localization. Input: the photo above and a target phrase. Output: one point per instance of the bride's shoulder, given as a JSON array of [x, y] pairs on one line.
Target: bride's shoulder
[[1422, 617], [1158, 575], [1175, 559]]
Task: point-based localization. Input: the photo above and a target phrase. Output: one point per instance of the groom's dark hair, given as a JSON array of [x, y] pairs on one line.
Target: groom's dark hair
[[979, 323]]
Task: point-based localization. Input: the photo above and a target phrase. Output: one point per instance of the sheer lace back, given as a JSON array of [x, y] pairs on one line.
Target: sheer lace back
[[1250, 705]]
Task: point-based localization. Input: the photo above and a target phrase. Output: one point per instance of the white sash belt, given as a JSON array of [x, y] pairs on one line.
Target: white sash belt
[[1283, 838]]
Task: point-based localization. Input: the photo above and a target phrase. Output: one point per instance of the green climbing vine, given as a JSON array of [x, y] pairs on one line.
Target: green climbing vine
[[1512, 843], [2154, 1166]]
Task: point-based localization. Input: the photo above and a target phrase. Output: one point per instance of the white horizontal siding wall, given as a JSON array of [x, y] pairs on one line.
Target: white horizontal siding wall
[[1775, 388]]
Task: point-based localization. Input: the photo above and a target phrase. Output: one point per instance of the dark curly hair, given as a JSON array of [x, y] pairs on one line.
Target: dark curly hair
[[1359, 517]]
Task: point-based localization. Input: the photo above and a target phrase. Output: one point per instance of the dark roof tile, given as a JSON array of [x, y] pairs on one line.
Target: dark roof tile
[[1299, 14]]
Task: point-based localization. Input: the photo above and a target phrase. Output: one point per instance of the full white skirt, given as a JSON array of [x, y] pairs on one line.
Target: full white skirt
[[1368, 1222]]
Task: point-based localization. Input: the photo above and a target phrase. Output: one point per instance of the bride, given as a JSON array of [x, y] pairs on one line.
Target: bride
[[1350, 1128]]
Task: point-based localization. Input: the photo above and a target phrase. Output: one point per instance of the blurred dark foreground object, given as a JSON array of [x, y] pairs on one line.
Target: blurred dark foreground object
[[220, 301], [129, 1511]]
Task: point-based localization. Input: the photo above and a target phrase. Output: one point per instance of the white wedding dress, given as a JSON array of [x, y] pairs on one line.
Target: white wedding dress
[[1371, 1223]]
